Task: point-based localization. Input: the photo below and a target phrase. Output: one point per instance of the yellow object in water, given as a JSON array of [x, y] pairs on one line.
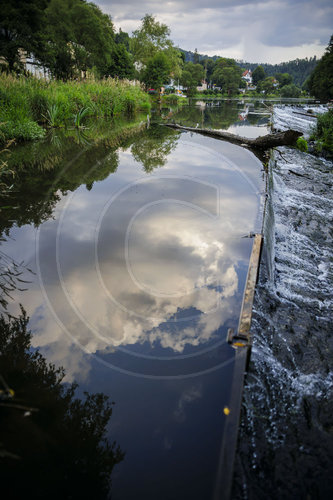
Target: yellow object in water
[[226, 410]]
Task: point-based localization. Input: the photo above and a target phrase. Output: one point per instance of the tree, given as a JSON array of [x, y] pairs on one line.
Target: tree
[[227, 75], [77, 37], [258, 75], [284, 79], [209, 66], [157, 71], [191, 77], [21, 24], [93, 30], [123, 38], [121, 65], [290, 91], [65, 439], [150, 38], [320, 82], [267, 85]]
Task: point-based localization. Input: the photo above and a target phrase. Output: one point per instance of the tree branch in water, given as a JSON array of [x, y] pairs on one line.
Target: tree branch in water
[[287, 138]]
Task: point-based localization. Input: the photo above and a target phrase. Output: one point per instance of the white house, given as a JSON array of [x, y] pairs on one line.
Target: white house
[[247, 76], [203, 86]]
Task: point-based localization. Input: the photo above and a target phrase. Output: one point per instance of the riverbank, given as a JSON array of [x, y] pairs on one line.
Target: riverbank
[[29, 105]]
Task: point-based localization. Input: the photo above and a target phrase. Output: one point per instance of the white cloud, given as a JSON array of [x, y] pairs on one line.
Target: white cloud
[[257, 31]]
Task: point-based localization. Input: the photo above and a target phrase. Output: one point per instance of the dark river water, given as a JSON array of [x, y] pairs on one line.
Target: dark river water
[[134, 256]]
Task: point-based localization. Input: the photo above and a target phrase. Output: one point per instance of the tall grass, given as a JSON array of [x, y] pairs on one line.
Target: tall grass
[[26, 104]]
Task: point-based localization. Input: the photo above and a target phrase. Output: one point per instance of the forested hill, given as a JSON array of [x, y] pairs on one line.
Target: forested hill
[[300, 69]]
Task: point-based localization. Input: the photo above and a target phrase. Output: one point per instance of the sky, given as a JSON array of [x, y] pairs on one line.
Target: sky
[[253, 31]]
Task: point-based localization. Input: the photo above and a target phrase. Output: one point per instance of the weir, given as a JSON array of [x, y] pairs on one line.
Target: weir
[[241, 341]]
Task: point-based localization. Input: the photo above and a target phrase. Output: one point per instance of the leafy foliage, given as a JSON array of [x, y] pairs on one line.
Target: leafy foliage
[[283, 79], [290, 91], [324, 132], [267, 85], [258, 75], [78, 117], [320, 83], [21, 25], [227, 75], [69, 38], [302, 144], [157, 71], [149, 40], [192, 76]]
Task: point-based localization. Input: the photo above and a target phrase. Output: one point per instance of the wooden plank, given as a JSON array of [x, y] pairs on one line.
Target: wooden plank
[[251, 280], [241, 341]]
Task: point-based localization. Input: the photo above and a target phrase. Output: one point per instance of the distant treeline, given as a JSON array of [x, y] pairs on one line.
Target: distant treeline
[[299, 69]]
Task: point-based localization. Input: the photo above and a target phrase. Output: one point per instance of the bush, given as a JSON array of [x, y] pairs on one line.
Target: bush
[[290, 91], [26, 130], [323, 133], [302, 144]]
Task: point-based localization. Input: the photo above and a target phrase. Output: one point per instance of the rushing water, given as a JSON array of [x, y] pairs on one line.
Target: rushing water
[[138, 258], [286, 441]]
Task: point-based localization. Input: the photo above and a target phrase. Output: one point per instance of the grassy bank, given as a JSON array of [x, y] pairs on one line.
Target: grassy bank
[[27, 105]]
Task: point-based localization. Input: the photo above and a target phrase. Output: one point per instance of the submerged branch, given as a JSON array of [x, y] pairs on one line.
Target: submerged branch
[[287, 138]]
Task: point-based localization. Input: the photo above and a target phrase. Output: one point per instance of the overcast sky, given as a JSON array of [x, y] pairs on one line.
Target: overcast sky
[[255, 31]]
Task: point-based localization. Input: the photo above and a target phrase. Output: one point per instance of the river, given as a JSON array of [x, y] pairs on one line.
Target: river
[[134, 257]]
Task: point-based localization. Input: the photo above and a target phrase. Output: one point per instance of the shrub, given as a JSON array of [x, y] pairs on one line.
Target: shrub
[[26, 130], [302, 144], [323, 133]]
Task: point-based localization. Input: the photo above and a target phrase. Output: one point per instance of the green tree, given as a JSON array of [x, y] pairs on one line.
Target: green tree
[[320, 83], [227, 75], [209, 66], [123, 38], [258, 75], [93, 30], [78, 37], [290, 91], [157, 71], [267, 85], [65, 439], [191, 77], [284, 79], [150, 38], [153, 37], [121, 65], [21, 26]]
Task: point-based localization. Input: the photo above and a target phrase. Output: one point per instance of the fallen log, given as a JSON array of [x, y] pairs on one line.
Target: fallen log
[[287, 138]]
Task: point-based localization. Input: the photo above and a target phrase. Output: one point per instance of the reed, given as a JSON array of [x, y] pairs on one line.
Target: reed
[[28, 103]]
